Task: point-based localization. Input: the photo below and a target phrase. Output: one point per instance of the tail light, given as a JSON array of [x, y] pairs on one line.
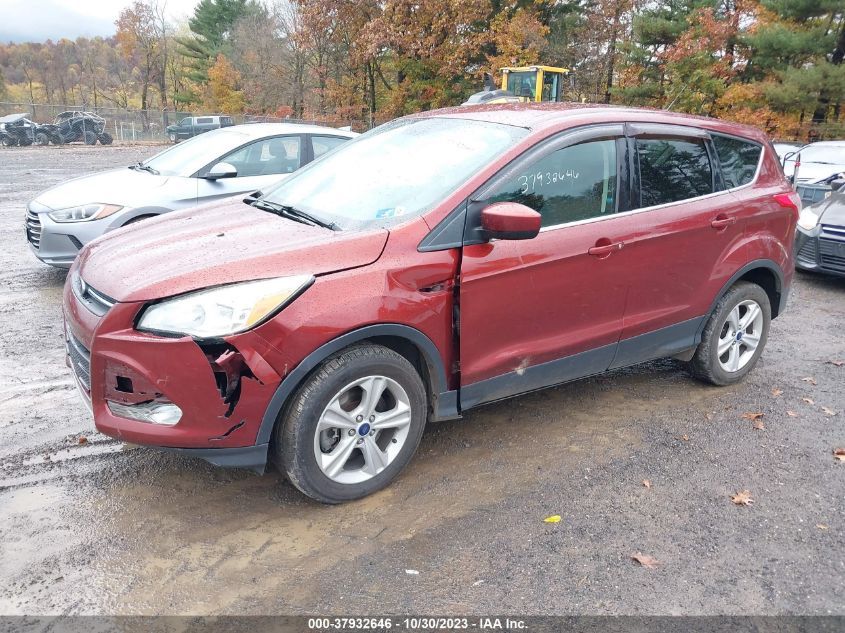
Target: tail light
[[790, 200]]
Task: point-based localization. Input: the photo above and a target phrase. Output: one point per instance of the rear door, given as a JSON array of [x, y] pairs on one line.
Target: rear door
[[541, 311], [685, 238]]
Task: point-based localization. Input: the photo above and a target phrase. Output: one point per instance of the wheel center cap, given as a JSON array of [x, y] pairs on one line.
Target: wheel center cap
[[364, 429], [739, 335]]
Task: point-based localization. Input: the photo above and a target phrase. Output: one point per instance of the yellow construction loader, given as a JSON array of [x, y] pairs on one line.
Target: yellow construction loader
[[523, 83]]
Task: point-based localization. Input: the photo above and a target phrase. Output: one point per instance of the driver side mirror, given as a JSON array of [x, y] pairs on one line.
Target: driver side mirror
[[836, 185], [510, 221], [221, 170]]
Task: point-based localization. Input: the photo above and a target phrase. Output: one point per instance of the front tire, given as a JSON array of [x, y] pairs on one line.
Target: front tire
[[352, 427], [734, 337], [172, 137], [105, 138]]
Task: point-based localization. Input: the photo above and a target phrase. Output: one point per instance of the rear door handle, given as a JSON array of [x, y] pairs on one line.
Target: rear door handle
[[722, 222], [605, 249]]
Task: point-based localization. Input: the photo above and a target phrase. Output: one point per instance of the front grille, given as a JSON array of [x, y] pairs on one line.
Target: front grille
[[80, 360], [832, 254], [96, 302], [833, 231], [33, 229]]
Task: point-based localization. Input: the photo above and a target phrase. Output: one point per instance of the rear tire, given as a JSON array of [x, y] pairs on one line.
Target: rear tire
[[734, 337], [90, 138], [42, 138], [105, 138], [353, 425]]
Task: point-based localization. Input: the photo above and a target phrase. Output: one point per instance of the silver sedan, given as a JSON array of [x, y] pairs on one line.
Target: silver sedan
[[225, 162]]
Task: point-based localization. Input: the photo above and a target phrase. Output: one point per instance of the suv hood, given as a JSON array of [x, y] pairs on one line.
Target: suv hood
[[831, 210], [224, 242], [122, 186]]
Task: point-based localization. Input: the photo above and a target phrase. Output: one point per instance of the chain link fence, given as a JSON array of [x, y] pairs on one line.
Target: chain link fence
[[139, 126]]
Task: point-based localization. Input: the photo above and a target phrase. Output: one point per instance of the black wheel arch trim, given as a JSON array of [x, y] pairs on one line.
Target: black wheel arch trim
[[444, 400], [768, 264]]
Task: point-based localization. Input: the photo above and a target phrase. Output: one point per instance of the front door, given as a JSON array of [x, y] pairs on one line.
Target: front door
[[542, 311]]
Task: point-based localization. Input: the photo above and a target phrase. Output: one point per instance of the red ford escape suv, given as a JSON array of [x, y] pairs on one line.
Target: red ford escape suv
[[437, 263]]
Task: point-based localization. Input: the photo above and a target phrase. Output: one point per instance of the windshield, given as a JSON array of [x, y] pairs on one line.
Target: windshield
[[395, 172], [188, 156], [822, 154]]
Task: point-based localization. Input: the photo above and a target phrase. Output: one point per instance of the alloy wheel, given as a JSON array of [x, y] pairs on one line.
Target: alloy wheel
[[362, 429], [740, 335]]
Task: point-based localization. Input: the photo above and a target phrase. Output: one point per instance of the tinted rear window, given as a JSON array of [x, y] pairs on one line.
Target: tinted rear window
[[673, 170], [739, 159]]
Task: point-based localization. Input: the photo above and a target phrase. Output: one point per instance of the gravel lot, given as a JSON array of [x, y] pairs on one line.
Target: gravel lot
[[103, 528]]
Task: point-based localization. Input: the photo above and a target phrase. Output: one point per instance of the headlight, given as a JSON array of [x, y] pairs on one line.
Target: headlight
[[83, 212], [808, 220], [223, 310]]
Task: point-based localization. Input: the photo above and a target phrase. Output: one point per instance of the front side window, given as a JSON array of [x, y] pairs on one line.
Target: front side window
[[673, 169], [739, 159], [523, 83], [185, 121], [269, 156], [204, 120], [573, 183], [322, 144]]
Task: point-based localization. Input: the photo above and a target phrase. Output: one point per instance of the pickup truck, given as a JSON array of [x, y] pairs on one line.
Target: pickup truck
[[193, 125]]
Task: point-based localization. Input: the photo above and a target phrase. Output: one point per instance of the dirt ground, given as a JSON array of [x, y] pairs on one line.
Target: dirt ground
[[102, 528]]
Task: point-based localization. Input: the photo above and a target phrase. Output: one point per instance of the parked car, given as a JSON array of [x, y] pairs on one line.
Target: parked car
[[194, 125], [220, 164], [820, 237], [818, 161], [782, 148], [440, 262], [74, 126], [17, 129]]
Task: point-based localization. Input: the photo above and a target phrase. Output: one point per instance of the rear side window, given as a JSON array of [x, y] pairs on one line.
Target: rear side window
[[573, 183], [739, 159], [205, 119], [673, 169], [322, 144]]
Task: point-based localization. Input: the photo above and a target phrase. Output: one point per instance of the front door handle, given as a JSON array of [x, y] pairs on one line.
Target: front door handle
[[722, 222], [603, 250]]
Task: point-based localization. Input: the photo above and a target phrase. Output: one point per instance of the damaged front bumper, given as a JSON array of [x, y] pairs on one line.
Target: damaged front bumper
[[204, 398]]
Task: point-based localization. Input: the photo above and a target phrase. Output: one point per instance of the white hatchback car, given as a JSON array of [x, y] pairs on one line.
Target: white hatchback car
[[220, 163]]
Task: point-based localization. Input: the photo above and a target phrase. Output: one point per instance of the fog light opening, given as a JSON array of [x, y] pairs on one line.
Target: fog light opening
[[166, 414]]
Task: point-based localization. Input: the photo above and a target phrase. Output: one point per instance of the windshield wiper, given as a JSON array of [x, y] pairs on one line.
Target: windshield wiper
[[139, 166], [287, 211]]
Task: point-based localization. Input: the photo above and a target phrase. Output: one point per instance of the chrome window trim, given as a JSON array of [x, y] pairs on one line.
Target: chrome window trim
[[672, 204]]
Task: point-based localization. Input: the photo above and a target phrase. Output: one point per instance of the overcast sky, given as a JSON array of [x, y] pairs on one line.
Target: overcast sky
[[38, 20]]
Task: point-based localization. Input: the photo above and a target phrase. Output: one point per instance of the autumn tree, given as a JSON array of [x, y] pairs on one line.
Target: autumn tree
[[223, 92]]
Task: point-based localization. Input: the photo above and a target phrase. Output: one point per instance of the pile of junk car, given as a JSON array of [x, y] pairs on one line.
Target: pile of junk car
[[17, 129], [74, 126]]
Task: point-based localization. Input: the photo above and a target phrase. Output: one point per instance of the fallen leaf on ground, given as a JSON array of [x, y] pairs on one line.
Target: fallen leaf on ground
[[792, 414], [477, 583], [645, 560], [839, 453], [83, 439], [742, 498], [821, 526], [777, 392], [646, 483], [808, 400], [810, 380], [752, 416], [552, 519], [838, 363], [828, 411], [685, 438], [758, 426]]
